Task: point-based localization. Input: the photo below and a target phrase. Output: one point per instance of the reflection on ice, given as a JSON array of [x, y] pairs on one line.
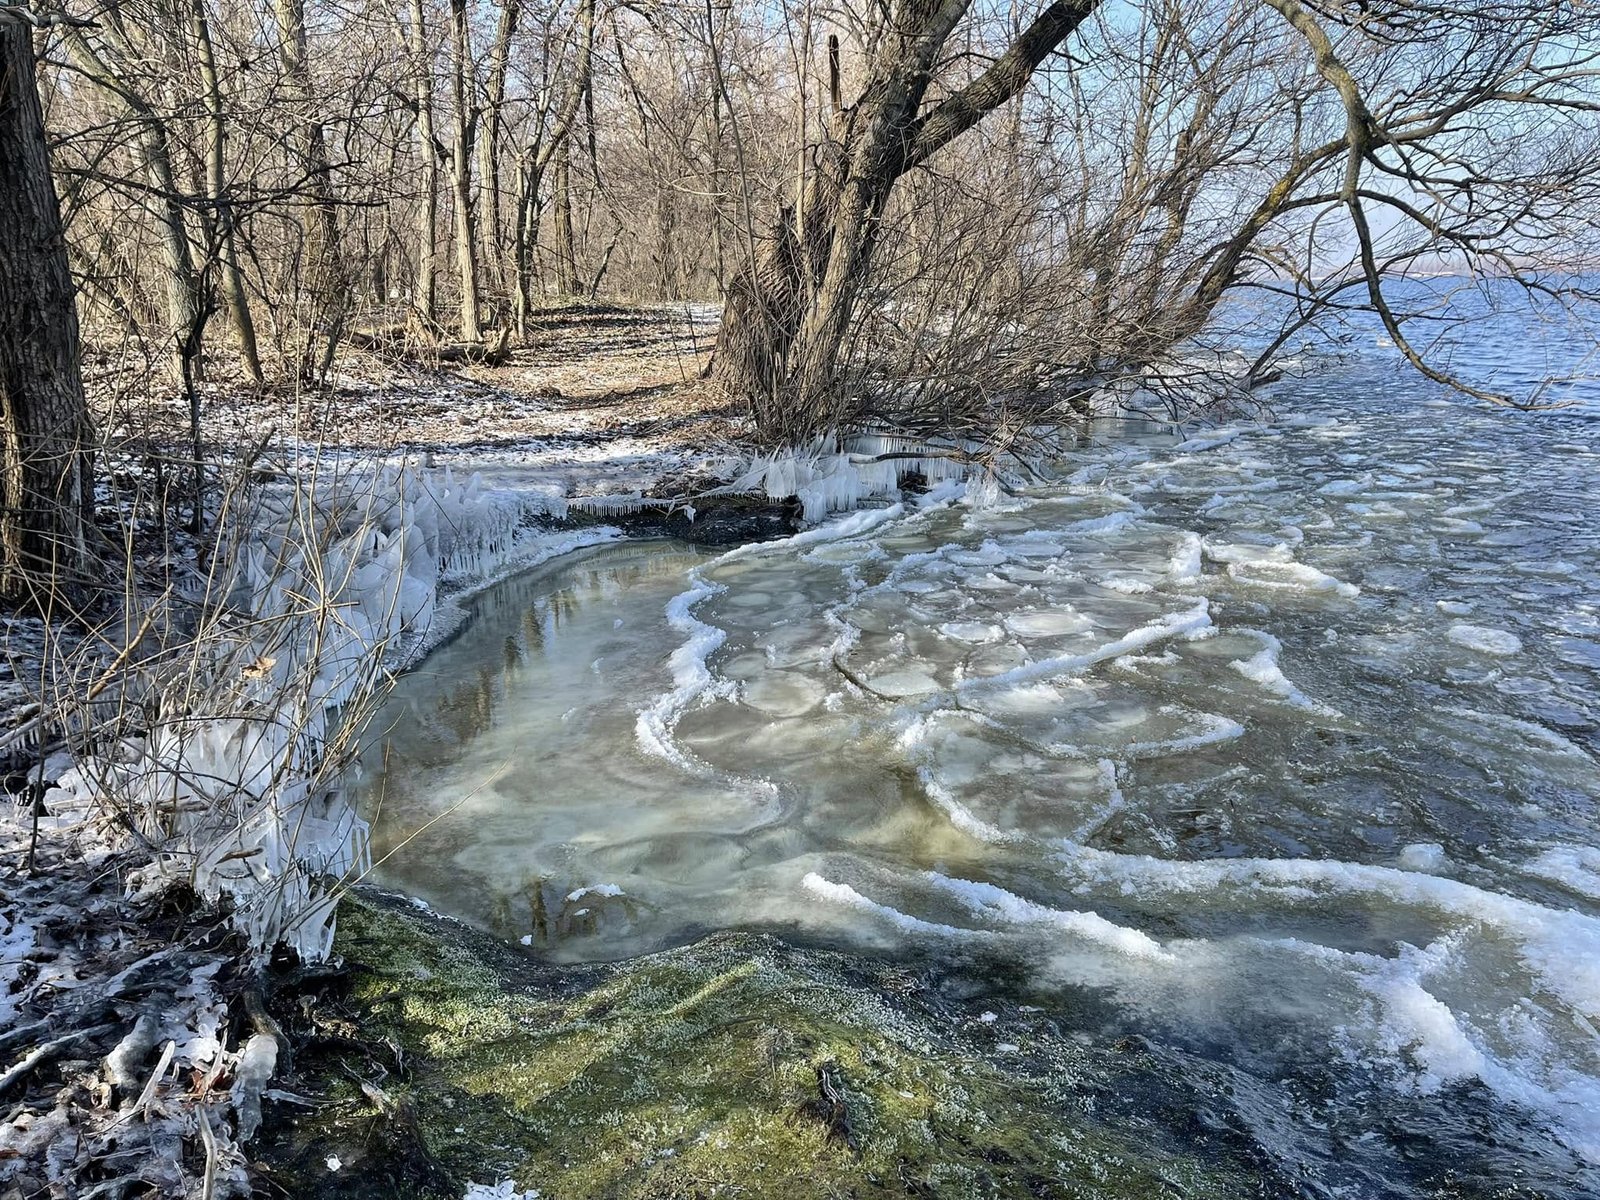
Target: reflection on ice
[[1281, 741]]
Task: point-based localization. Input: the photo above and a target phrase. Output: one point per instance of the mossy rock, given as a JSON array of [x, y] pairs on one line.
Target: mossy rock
[[740, 1066]]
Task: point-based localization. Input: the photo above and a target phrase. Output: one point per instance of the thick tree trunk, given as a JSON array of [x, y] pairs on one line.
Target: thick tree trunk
[[787, 318], [785, 326], [763, 311], [461, 171], [46, 490]]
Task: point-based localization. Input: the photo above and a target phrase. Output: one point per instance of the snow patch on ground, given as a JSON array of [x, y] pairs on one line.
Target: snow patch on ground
[[17, 940]]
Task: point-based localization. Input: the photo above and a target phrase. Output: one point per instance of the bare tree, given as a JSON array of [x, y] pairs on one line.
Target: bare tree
[[46, 487], [551, 121], [490, 147], [1176, 116], [788, 315], [110, 58], [465, 122], [414, 35], [327, 286], [218, 194], [1111, 179]]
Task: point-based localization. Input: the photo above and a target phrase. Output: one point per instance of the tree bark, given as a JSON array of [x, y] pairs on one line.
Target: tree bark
[[181, 281], [491, 225], [235, 300], [425, 293], [566, 251], [327, 286], [461, 170], [46, 488], [538, 157], [525, 233]]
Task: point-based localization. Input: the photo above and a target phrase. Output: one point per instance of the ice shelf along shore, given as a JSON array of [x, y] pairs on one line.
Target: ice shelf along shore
[[322, 587]]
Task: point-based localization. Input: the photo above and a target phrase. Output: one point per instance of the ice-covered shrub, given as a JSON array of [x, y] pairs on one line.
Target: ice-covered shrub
[[241, 695]]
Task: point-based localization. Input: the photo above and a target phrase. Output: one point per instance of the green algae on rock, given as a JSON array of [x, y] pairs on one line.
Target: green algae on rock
[[737, 1066]]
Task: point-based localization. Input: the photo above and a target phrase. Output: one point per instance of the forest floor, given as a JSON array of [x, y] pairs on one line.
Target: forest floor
[[598, 397]]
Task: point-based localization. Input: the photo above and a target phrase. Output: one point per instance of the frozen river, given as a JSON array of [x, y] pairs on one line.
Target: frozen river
[[1275, 747]]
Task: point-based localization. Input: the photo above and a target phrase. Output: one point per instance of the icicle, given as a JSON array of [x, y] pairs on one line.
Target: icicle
[[609, 506], [780, 477]]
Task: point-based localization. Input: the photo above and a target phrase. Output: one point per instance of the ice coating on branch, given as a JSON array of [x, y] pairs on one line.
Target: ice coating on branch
[[610, 505], [257, 1061]]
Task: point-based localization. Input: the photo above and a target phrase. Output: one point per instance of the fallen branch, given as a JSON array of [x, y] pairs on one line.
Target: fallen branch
[[489, 354], [22, 1033], [255, 1006], [155, 1078], [208, 1183], [44, 1053]]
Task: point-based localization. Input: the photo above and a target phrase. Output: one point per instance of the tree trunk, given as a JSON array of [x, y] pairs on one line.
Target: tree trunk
[[566, 252], [525, 234], [537, 158], [873, 149], [787, 317], [46, 488], [235, 300], [180, 280], [326, 285], [491, 225], [415, 37], [461, 170]]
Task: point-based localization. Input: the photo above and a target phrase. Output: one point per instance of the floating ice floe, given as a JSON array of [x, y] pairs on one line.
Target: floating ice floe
[[1485, 640], [1264, 670], [1424, 856], [1576, 868]]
